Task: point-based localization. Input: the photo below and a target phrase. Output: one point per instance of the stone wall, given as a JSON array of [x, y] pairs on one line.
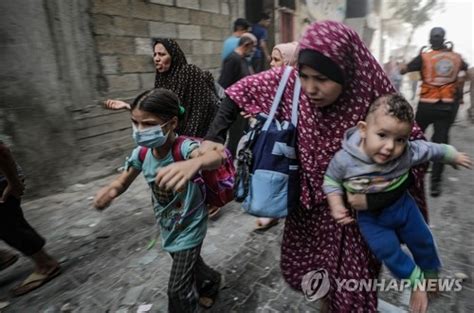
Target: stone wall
[[48, 72], [61, 59], [123, 31]]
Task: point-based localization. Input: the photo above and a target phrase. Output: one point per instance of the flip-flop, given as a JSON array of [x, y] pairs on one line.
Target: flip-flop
[[262, 227], [214, 213], [9, 262], [35, 280]]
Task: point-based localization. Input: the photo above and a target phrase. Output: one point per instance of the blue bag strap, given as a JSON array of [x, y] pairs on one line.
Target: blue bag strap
[[295, 103], [277, 98]]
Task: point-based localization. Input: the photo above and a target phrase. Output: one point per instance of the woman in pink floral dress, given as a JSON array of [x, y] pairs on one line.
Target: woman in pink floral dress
[[340, 79]]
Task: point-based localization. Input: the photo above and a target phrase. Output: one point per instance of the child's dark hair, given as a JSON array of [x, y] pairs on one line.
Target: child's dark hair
[[395, 105], [159, 101]]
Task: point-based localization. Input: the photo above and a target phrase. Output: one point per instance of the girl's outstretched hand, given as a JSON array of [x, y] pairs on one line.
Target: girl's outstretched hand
[[104, 197], [116, 104], [176, 175]]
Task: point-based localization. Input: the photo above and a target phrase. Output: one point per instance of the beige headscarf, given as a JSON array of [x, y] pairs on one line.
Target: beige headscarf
[[288, 52]]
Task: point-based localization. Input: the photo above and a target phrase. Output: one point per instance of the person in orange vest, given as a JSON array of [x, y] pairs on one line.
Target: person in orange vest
[[440, 96]]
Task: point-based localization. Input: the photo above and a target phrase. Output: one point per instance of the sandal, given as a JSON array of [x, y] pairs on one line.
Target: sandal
[[264, 226], [214, 212], [8, 259], [35, 280]]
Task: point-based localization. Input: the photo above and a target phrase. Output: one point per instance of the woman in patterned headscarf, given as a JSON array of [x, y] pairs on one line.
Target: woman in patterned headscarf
[[194, 87], [284, 54], [340, 79]]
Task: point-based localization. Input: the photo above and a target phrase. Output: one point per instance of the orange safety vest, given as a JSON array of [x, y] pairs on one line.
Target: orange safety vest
[[439, 73]]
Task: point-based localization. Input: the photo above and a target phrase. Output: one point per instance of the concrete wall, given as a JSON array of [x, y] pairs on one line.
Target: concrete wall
[[60, 59], [47, 73], [123, 30]]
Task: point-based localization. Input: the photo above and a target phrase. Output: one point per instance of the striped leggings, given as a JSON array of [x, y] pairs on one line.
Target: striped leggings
[[190, 279]]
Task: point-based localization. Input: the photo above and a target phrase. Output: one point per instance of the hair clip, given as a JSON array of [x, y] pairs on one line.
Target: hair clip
[[181, 110]]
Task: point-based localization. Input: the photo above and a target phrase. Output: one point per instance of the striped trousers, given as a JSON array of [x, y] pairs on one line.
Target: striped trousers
[[190, 279]]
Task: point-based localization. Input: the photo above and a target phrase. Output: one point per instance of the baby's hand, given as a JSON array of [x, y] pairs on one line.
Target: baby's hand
[[341, 215], [462, 159]]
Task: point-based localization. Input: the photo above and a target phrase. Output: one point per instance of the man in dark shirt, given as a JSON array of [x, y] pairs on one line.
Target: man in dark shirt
[[235, 65], [241, 26], [261, 57], [440, 95], [234, 68]]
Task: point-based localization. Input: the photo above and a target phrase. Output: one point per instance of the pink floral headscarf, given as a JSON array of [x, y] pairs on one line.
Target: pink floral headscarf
[[320, 130]]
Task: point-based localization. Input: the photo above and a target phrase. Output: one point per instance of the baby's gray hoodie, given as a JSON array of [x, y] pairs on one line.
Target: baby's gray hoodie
[[353, 170]]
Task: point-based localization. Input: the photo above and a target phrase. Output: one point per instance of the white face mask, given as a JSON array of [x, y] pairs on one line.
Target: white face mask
[[151, 137]]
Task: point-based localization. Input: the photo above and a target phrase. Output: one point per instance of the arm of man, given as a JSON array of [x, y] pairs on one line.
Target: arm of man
[[230, 70], [264, 47], [225, 116], [461, 81], [414, 66]]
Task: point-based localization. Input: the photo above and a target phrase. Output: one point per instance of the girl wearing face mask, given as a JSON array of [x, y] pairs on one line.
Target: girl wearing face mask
[[178, 203], [194, 87]]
